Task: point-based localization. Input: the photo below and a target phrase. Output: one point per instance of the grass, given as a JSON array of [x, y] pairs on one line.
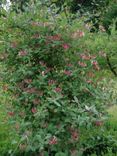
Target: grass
[[112, 122], [112, 127], [6, 130], [113, 112]]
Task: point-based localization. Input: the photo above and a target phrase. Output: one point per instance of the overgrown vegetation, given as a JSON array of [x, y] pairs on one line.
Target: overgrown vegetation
[[53, 74]]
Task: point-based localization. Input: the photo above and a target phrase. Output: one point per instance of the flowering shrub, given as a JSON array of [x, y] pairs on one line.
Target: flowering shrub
[[53, 82]]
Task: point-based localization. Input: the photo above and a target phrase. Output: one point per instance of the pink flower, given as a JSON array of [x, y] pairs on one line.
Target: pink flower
[[28, 81], [11, 113], [98, 123], [33, 90], [51, 82], [75, 136], [22, 53], [58, 89], [90, 74], [30, 90], [35, 23], [67, 72], [81, 34], [89, 81], [36, 101], [65, 46], [22, 114], [78, 34], [17, 126], [69, 65], [5, 87], [82, 64], [34, 110], [95, 65], [53, 140], [92, 56], [85, 57], [55, 37]]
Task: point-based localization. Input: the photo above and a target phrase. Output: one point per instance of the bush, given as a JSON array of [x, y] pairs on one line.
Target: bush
[[51, 74], [109, 17]]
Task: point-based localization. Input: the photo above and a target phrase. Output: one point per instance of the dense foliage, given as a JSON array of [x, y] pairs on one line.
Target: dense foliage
[[59, 104], [98, 12]]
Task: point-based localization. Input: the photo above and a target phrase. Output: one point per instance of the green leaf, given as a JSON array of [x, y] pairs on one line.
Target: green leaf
[[61, 154]]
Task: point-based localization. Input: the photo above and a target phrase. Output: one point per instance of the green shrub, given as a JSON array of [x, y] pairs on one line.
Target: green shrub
[[51, 74], [110, 16]]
